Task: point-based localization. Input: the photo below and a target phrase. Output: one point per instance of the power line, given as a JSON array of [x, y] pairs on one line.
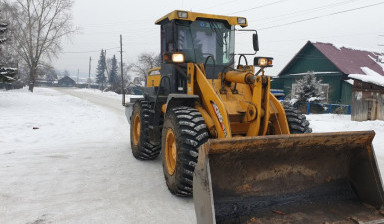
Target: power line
[[258, 7], [83, 52], [352, 35], [133, 32], [221, 4], [318, 17], [302, 12]]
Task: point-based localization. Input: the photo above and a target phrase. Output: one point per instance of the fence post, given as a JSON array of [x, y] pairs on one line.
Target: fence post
[[308, 108], [330, 109]]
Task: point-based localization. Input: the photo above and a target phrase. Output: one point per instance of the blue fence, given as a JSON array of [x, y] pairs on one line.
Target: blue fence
[[331, 108]]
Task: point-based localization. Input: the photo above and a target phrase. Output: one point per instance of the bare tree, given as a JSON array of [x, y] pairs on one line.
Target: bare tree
[[145, 61], [38, 29]]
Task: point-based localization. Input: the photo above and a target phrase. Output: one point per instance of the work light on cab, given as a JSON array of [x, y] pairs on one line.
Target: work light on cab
[[263, 62], [183, 15], [178, 58], [241, 21]]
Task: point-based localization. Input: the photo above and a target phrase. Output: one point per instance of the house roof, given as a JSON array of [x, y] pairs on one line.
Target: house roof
[[66, 79], [349, 60]]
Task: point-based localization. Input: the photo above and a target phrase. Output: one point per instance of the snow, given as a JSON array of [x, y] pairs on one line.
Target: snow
[[369, 77], [78, 168], [105, 94], [312, 99], [379, 60], [336, 123], [350, 81]]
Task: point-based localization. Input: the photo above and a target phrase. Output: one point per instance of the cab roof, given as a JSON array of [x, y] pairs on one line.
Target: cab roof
[[192, 16]]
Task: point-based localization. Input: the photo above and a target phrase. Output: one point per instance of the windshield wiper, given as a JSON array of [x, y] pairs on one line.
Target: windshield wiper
[[219, 34]]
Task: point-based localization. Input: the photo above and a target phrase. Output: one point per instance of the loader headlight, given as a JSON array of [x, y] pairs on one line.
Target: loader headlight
[[241, 20], [183, 15], [263, 62], [178, 58]]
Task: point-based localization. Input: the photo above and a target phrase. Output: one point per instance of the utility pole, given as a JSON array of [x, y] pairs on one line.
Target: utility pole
[[121, 68], [89, 74], [77, 82]]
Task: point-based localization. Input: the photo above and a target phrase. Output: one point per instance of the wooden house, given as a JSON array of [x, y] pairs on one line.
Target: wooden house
[[332, 65], [367, 101], [66, 82]]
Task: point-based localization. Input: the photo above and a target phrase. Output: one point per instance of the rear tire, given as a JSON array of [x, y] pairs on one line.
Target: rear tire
[[297, 122], [184, 131], [142, 149]]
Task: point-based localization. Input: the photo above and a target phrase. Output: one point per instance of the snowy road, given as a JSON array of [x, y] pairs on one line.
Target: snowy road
[[77, 166], [112, 103]]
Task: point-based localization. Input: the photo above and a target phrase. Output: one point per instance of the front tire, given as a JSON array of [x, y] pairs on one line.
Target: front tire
[[297, 122], [142, 149], [184, 131]]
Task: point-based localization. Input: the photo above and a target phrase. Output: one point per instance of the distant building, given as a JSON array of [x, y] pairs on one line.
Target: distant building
[[367, 101], [333, 65], [66, 82]]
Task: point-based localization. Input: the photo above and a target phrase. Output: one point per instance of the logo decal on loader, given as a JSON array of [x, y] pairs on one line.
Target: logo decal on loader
[[219, 117]]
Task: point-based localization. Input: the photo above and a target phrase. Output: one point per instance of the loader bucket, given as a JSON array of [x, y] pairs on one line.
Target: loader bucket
[[305, 178]]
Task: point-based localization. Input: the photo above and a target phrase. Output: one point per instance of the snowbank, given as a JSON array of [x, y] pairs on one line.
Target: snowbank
[[336, 123], [77, 167], [369, 77], [105, 94]]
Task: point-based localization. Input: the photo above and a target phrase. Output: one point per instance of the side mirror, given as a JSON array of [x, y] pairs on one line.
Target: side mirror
[[255, 42]]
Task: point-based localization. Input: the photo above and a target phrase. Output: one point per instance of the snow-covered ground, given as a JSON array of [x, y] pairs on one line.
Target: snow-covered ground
[[335, 123], [77, 166]]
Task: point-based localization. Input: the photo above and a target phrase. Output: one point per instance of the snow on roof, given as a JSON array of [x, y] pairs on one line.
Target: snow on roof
[[350, 81], [370, 76], [351, 60]]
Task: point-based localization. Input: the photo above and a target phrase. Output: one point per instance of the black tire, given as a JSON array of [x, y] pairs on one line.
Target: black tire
[[190, 133], [297, 122], [142, 149]]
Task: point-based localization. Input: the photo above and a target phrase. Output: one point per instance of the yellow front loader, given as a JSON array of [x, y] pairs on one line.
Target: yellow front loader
[[226, 139]]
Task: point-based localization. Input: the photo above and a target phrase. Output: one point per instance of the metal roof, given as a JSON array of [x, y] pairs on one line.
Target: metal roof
[[347, 60]]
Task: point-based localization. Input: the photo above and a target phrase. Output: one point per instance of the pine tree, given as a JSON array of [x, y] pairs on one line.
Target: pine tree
[[3, 29], [113, 73], [100, 76], [7, 74], [308, 89]]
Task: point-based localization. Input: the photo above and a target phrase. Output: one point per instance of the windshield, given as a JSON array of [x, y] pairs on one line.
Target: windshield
[[200, 39]]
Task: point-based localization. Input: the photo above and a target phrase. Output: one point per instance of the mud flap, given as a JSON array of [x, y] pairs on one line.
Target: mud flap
[[305, 178], [128, 111]]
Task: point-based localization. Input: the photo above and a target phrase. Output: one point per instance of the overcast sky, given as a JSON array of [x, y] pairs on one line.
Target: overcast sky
[[284, 26]]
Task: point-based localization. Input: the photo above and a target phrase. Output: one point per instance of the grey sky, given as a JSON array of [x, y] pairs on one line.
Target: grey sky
[[101, 23]]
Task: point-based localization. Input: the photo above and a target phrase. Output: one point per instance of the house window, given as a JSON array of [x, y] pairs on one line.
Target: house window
[[322, 88]]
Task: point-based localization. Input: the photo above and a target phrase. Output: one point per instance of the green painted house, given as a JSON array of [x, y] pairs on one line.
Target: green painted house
[[329, 63]]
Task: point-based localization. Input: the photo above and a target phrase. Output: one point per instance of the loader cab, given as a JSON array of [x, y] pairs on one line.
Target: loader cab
[[201, 38]]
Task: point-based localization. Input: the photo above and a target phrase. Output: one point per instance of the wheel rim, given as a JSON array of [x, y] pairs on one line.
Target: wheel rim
[[136, 129], [170, 152]]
